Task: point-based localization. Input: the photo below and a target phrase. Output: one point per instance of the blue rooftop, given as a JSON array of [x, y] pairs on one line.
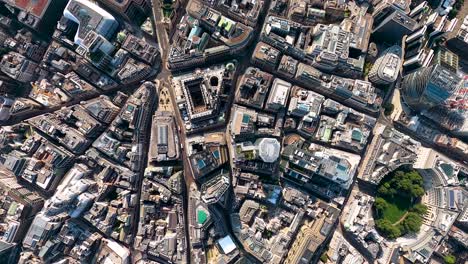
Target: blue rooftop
[[245, 119], [201, 164], [216, 154]]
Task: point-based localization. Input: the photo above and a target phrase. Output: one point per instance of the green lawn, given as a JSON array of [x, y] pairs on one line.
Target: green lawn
[[397, 207], [202, 216]]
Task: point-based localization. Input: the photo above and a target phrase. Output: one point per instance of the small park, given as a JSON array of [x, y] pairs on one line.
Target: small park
[[398, 209]]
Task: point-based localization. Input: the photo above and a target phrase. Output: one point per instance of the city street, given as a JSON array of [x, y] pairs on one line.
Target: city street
[[164, 77], [163, 40], [257, 131]]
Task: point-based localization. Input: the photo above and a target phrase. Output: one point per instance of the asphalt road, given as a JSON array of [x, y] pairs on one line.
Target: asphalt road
[[161, 34], [164, 77]]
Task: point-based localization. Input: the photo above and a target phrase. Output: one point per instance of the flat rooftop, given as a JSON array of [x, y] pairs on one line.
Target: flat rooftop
[[35, 7]]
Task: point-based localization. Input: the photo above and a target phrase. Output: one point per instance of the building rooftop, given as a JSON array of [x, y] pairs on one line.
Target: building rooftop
[[213, 190], [253, 87], [305, 103], [37, 8], [112, 252], [334, 165], [198, 95], [89, 17], [388, 65], [268, 149], [462, 33], [279, 94], [227, 244], [164, 140], [264, 53]]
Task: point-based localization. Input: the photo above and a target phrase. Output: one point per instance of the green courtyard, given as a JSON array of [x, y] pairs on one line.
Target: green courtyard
[[397, 207], [398, 210]]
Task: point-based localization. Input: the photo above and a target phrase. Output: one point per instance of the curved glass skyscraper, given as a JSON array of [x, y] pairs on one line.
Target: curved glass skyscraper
[[429, 87]]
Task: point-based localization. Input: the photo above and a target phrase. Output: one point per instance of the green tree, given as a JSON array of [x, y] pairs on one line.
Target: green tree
[[383, 190], [387, 229], [386, 190], [324, 257], [380, 205], [121, 36], [415, 177], [450, 259], [399, 175], [347, 13], [367, 68], [409, 184], [412, 223], [416, 191], [420, 209], [404, 185], [388, 109], [3, 51]]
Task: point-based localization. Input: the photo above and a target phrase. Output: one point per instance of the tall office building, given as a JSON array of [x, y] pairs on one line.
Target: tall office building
[[89, 17], [304, 247], [429, 87], [387, 67], [392, 26], [132, 10], [446, 58], [383, 9]]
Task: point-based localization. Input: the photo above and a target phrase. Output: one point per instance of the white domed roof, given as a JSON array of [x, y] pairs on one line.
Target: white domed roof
[[268, 149]]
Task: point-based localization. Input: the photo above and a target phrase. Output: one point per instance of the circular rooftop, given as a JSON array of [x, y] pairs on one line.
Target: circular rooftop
[[268, 149]]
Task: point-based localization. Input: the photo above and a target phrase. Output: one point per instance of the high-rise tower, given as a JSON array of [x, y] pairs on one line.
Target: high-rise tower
[[429, 87]]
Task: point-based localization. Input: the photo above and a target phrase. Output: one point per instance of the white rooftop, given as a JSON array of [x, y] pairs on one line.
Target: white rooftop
[[226, 244], [279, 92], [268, 149]]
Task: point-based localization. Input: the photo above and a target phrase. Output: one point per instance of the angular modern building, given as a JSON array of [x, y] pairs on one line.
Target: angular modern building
[[316, 164], [268, 149], [429, 87], [334, 50], [90, 17]]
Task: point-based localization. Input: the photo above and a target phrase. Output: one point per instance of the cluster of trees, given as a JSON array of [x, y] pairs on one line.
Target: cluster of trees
[[404, 184], [457, 6], [3, 51], [324, 257], [408, 184], [96, 56], [411, 222], [387, 229], [388, 109], [367, 68]]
